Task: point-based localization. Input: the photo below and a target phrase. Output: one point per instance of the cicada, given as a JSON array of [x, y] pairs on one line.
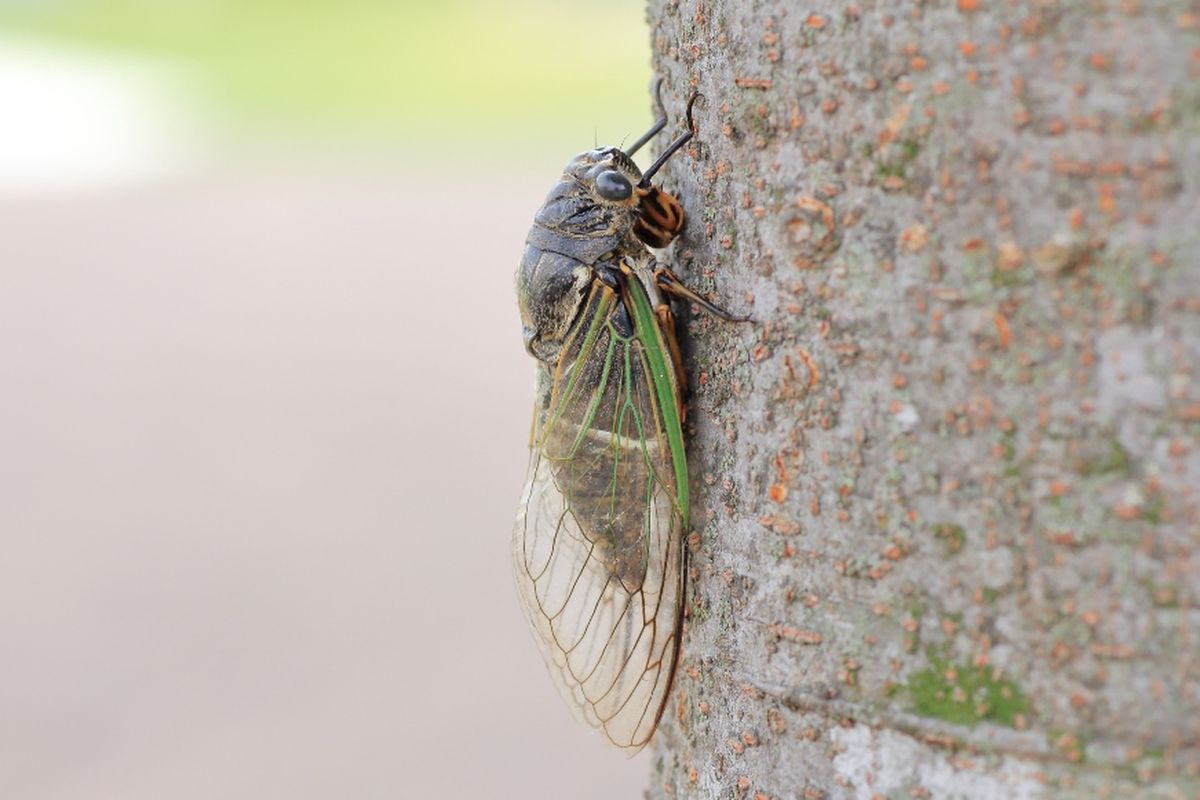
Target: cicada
[[598, 540]]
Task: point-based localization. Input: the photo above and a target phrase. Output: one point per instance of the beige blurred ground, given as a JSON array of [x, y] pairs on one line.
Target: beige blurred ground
[[260, 441]]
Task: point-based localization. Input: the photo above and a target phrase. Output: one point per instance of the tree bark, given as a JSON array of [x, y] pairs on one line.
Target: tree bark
[[945, 532]]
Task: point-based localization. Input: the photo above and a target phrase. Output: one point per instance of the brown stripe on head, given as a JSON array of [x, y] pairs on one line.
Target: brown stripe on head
[[659, 217]]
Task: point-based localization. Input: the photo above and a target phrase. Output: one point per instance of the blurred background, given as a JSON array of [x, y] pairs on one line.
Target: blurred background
[[263, 402]]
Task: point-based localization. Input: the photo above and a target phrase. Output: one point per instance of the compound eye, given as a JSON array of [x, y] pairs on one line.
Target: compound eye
[[612, 185]]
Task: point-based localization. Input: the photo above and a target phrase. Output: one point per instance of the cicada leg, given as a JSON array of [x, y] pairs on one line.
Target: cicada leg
[[670, 283], [666, 322]]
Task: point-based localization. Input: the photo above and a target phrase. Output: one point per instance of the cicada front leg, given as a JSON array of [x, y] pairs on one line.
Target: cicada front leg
[[671, 286], [670, 283]]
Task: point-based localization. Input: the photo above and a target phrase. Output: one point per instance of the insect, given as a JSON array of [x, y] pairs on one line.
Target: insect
[[597, 543]]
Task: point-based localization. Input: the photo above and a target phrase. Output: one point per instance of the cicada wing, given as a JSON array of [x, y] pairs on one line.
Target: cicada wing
[[597, 542]]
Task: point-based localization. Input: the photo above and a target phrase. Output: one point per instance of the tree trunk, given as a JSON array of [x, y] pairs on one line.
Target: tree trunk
[[946, 539]]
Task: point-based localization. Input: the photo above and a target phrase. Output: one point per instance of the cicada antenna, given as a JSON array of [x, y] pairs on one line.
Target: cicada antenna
[[658, 125], [673, 146]]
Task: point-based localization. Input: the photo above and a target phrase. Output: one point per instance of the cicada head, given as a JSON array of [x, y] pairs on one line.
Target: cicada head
[[613, 180], [595, 202]]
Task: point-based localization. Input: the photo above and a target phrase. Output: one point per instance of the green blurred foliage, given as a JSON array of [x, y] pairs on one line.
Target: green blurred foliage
[[518, 75]]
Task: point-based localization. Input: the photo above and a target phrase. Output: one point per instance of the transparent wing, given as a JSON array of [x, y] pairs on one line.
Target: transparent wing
[[597, 542]]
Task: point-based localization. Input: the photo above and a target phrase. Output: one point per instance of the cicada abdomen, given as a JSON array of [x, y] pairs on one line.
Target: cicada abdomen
[[597, 546]]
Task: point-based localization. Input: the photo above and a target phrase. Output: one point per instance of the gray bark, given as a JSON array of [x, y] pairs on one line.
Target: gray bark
[[946, 539]]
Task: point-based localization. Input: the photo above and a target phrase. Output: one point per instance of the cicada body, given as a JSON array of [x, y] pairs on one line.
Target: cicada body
[[597, 545]]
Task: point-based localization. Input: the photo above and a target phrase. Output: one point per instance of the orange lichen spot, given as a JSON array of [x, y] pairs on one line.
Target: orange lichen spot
[[815, 21], [814, 372], [968, 5], [914, 238], [1064, 538], [893, 124], [941, 88], [754, 83], [1099, 61], [795, 118], [899, 381], [1106, 198], [1127, 512], [750, 739], [918, 63], [972, 76], [967, 48], [1003, 332], [780, 467], [1009, 257], [796, 634], [778, 492], [1058, 488], [1075, 218]]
